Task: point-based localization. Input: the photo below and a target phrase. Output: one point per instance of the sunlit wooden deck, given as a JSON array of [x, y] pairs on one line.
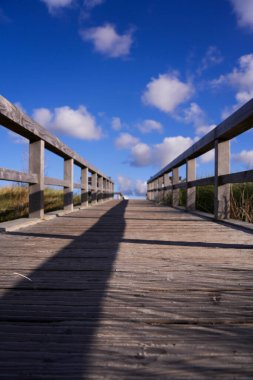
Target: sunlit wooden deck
[[126, 290]]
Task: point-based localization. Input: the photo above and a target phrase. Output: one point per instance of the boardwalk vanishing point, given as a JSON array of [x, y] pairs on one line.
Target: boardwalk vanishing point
[[126, 290]]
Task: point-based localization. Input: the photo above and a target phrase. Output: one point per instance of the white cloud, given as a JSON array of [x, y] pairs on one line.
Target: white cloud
[[170, 148], [140, 187], [159, 154], [141, 155], [244, 12], [193, 114], [245, 157], [53, 5], [107, 41], [204, 129], [20, 107], [207, 157], [166, 92], [125, 185], [43, 116], [240, 78], [148, 126], [212, 57], [126, 141], [196, 116], [129, 187], [116, 124], [90, 4], [77, 123]]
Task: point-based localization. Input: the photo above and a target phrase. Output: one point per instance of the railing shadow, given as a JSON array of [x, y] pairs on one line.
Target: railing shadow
[[49, 319]]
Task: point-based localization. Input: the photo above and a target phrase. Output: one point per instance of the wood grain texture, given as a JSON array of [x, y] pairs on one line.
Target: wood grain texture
[[126, 290], [16, 176], [56, 182], [239, 177], [17, 121]]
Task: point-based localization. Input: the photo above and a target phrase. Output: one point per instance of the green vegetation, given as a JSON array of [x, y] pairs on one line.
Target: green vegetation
[[205, 198], [14, 202], [241, 200]]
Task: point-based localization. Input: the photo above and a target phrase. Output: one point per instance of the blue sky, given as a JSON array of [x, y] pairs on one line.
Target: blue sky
[[127, 84]]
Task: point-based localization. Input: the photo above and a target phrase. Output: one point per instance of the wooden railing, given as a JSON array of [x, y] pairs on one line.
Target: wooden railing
[[101, 187], [218, 139]]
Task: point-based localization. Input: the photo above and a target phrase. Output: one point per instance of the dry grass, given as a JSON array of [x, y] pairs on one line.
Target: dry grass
[[241, 200], [14, 202]]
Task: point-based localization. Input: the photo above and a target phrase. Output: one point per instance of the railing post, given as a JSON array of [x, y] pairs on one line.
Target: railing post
[[104, 189], [156, 190], [160, 188], [148, 193], [112, 190], [175, 192], [221, 193], [94, 182], [68, 190], [109, 189], [166, 181], [84, 187], [191, 191], [153, 192], [100, 189], [36, 191]]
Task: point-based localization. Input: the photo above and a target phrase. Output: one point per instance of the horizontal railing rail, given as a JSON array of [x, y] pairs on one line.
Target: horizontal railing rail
[[99, 185], [218, 139]]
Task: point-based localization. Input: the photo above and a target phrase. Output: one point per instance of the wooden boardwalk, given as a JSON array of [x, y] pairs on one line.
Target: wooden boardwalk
[[126, 290]]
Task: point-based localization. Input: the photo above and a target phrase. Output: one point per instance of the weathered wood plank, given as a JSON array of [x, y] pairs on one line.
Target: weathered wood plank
[[240, 177], [240, 121], [13, 175], [56, 182], [17, 121], [126, 290]]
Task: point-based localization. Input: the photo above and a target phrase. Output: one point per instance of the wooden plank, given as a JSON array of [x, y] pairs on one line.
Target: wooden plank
[[181, 185], [56, 182], [126, 290], [16, 176], [17, 121], [240, 177], [77, 185], [201, 182]]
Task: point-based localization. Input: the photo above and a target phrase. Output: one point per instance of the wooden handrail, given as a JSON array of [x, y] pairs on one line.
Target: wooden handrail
[[40, 139], [219, 140]]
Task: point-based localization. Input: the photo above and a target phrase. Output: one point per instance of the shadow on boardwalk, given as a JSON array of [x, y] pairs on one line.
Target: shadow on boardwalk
[[182, 312], [48, 324]]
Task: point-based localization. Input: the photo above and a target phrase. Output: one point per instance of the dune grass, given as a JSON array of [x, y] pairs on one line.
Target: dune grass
[[14, 201], [241, 200]]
